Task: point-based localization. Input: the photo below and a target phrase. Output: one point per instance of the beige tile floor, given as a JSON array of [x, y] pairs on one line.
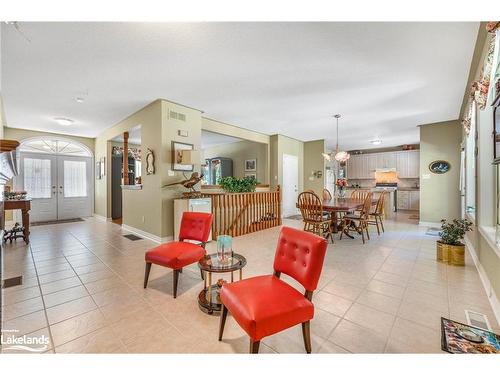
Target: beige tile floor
[[83, 289]]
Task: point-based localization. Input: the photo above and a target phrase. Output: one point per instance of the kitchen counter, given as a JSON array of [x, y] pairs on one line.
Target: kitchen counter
[[408, 188]]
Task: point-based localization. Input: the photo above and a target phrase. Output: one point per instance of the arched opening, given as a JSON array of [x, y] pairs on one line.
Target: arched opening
[[57, 174]]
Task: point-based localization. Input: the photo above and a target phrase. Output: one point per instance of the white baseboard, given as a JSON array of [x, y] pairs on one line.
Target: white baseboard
[[147, 235], [490, 293], [101, 218], [429, 224]]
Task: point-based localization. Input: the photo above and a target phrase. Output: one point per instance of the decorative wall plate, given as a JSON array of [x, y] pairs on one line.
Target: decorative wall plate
[[439, 166]]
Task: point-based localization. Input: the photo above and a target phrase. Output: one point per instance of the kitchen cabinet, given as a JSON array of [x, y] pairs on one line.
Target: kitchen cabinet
[[363, 166], [403, 202], [414, 200], [408, 200]]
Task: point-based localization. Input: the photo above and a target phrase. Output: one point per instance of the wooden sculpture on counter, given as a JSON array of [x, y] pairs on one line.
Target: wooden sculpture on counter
[[189, 183]]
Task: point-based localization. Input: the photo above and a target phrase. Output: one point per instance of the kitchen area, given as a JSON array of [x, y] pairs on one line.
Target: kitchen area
[[396, 171]]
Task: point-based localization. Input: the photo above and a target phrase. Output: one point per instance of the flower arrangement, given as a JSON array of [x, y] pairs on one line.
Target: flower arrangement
[[341, 184], [15, 195]]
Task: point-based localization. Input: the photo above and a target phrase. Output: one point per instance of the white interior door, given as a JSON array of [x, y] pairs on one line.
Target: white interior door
[[38, 177], [290, 184], [74, 190]]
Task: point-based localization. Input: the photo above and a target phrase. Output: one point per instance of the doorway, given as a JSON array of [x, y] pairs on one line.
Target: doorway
[[290, 184], [59, 183]]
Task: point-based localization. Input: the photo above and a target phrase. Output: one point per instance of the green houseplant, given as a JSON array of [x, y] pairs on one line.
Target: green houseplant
[[238, 185], [450, 248]]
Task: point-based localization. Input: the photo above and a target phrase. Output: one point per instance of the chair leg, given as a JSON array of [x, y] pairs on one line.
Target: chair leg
[[376, 223], [201, 274], [222, 322], [254, 347], [382, 224], [306, 332], [176, 279], [362, 234], [146, 274], [180, 270], [366, 228]]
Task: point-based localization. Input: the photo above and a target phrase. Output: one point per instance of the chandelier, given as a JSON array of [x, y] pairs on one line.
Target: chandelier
[[339, 156]]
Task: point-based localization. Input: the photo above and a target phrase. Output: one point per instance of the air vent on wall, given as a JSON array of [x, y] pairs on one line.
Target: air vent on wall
[[177, 116]]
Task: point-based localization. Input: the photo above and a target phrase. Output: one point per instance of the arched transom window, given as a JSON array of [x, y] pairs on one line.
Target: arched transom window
[[57, 146]]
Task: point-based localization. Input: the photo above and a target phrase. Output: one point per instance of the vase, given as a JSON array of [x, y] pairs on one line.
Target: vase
[[224, 248], [451, 254], [341, 193]]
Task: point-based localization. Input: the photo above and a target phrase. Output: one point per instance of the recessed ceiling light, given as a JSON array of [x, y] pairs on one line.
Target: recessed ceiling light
[[79, 99], [376, 142], [63, 121]]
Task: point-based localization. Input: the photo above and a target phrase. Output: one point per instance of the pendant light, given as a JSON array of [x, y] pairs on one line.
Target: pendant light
[[339, 156]]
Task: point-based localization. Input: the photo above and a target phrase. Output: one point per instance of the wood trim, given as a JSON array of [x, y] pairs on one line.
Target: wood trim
[[237, 214], [125, 158], [7, 145]]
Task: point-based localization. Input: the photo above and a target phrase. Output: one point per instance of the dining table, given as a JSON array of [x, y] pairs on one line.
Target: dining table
[[336, 205]]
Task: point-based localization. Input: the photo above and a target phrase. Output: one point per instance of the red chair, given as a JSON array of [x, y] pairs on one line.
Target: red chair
[[265, 305], [195, 226]]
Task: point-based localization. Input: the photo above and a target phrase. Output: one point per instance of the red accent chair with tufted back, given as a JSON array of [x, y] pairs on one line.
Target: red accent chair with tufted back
[[265, 305], [195, 226]]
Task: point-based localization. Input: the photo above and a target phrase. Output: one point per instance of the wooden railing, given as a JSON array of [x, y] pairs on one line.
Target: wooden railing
[[237, 214]]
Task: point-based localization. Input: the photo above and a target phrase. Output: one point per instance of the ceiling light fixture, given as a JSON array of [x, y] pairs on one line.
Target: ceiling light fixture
[[376, 142], [339, 156], [79, 99], [64, 121]]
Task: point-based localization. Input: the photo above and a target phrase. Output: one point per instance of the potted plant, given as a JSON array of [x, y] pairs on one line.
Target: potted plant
[[450, 248], [238, 185]]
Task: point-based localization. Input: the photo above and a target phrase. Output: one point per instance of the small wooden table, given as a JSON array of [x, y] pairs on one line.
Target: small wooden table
[[208, 299], [25, 206]]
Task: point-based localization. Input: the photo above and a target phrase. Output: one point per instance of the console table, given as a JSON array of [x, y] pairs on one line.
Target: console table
[[25, 206]]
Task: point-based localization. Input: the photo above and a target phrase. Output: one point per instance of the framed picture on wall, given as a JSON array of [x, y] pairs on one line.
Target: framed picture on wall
[[103, 166], [98, 175], [251, 165], [251, 175], [177, 148]]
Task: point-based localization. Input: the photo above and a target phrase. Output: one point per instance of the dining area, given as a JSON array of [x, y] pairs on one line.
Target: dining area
[[337, 216]]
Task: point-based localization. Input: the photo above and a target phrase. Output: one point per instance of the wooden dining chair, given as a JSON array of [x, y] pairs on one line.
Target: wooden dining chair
[[326, 194], [378, 213], [311, 209], [360, 193], [358, 222]]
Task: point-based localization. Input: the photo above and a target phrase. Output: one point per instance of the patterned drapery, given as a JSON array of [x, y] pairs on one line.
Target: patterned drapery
[[479, 89]]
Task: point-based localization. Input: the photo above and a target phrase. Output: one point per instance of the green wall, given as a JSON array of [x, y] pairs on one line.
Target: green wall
[[439, 193]]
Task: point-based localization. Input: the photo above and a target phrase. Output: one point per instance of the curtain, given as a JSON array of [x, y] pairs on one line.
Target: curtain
[[75, 179], [37, 178]]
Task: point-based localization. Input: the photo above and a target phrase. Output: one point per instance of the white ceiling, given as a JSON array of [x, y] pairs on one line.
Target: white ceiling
[[210, 139], [288, 78]]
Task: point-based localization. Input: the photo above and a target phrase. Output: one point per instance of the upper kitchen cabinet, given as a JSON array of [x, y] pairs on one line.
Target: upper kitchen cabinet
[[363, 166], [408, 164]]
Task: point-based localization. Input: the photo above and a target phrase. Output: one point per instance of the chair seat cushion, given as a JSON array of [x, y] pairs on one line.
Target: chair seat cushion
[[175, 255], [265, 305]]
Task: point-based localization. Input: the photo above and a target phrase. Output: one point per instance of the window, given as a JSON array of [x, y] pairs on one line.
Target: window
[[75, 179], [37, 177], [470, 167], [54, 146]]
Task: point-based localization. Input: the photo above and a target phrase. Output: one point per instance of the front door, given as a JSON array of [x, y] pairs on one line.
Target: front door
[[59, 186], [290, 184], [74, 176], [38, 176]]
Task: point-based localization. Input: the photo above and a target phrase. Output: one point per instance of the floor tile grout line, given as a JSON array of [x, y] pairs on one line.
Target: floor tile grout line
[[43, 301]]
